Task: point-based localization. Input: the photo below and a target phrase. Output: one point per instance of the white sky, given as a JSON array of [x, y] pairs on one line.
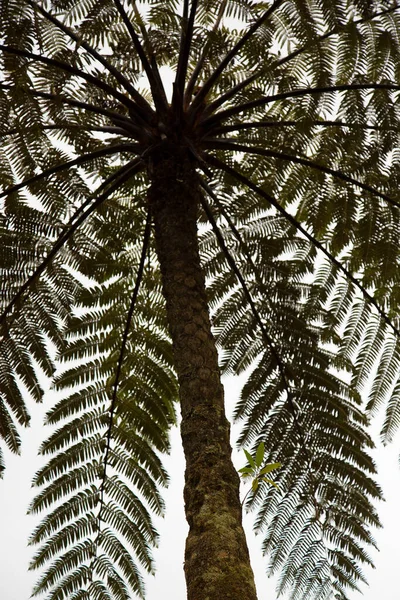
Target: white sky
[[15, 492]]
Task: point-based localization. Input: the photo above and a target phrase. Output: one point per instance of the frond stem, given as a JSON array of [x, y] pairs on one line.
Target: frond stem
[[249, 80], [311, 123], [72, 163], [151, 53], [246, 291], [139, 276], [60, 126], [72, 226], [225, 145], [267, 338], [184, 50], [112, 115], [131, 168], [145, 107], [237, 235], [206, 87], [200, 63], [235, 110], [334, 31], [108, 89], [151, 70], [212, 160]]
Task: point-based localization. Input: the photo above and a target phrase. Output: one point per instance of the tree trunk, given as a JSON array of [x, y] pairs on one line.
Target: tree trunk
[[217, 565]]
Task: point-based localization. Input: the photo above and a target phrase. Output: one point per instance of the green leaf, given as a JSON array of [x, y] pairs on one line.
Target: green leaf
[[246, 471], [260, 454], [254, 485], [250, 459], [270, 467], [269, 481]]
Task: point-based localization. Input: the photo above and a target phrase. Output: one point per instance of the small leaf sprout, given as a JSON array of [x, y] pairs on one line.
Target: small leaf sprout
[[257, 470]]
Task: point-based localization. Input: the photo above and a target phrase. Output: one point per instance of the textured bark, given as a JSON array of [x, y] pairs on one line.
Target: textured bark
[[217, 565]]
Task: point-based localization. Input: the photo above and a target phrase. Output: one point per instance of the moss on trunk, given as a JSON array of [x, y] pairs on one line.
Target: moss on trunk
[[217, 564]]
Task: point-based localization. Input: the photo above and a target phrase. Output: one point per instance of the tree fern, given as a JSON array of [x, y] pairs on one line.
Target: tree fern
[[280, 140]]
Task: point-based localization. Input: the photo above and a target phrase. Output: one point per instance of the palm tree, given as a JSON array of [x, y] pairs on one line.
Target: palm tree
[[264, 193]]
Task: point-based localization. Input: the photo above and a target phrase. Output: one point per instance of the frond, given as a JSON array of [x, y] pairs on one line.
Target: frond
[[308, 418], [112, 420]]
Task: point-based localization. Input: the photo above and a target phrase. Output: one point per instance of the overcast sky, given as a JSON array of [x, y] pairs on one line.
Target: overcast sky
[[15, 492]]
